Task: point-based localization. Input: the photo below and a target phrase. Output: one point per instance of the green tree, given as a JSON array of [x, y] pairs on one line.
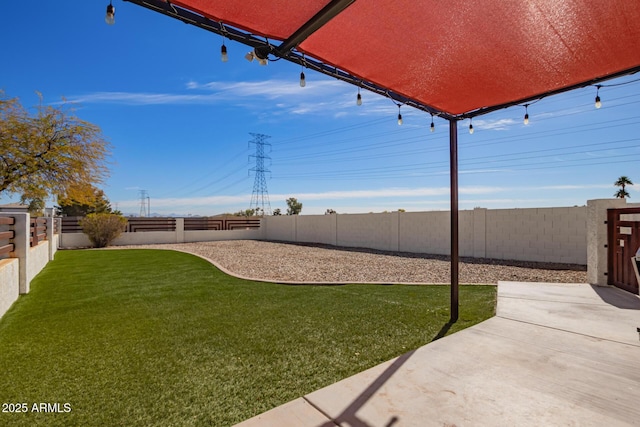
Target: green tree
[[622, 182], [49, 152], [96, 203], [294, 206], [621, 194], [277, 212], [36, 205], [246, 212], [330, 212]]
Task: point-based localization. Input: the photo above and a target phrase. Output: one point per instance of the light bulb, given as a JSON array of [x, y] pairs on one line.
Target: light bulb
[[249, 56], [303, 81], [471, 129], [359, 99], [399, 119], [223, 53], [526, 118], [432, 128], [598, 103], [110, 17]]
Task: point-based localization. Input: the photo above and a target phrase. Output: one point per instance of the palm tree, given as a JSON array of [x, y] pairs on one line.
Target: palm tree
[[622, 182], [621, 194]]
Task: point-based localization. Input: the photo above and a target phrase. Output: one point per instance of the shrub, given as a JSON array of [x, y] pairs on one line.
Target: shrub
[[102, 228]]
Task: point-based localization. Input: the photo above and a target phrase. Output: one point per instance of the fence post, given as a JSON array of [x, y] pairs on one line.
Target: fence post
[[479, 232], [394, 232], [179, 230], [263, 227], [50, 237], [22, 229]]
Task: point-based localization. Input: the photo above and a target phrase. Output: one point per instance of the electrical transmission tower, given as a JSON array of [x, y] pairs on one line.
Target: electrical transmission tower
[[145, 203], [260, 195]]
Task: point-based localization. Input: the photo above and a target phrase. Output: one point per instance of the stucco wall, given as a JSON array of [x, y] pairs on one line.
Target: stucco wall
[[37, 259], [9, 283]]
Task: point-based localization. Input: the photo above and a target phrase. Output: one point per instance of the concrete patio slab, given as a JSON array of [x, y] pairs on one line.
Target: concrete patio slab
[[293, 414], [604, 312], [553, 355]]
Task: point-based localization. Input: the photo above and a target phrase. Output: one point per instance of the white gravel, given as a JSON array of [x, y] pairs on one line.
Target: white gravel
[[287, 262]]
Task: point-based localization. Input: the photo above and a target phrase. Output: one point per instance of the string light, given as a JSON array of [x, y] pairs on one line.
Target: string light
[[470, 126], [110, 17], [598, 102], [223, 52], [359, 98], [303, 80], [399, 116], [432, 128], [526, 114]]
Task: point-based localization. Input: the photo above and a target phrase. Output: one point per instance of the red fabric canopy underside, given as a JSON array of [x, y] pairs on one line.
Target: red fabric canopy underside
[[456, 56]]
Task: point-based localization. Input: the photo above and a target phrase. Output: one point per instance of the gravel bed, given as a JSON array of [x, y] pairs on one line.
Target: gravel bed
[[287, 262]]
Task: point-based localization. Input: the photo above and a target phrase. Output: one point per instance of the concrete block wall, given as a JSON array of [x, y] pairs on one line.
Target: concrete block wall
[[317, 229], [537, 234], [375, 231], [424, 232], [280, 228]]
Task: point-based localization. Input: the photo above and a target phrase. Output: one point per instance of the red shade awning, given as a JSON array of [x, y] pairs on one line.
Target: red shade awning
[[460, 58]]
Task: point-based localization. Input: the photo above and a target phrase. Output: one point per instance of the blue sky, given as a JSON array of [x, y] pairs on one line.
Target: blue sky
[[179, 121]]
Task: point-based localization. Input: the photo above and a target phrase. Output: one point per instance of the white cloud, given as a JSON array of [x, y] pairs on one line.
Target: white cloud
[[140, 98], [497, 124], [322, 96]]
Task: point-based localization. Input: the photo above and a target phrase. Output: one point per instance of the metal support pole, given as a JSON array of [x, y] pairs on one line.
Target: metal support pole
[[453, 164]]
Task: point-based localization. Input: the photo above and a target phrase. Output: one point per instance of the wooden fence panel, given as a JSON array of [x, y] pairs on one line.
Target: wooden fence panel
[[7, 233], [38, 231], [71, 224]]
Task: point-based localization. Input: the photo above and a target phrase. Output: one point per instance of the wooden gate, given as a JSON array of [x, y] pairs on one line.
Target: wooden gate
[[623, 242]]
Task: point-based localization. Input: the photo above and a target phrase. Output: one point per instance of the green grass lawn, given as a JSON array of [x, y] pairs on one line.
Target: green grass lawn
[[148, 337]]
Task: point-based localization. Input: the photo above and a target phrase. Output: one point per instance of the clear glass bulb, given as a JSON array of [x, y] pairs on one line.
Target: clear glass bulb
[[110, 17], [526, 119], [432, 127], [598, 103], [223, 54], [471, 129], [359, 99], [303, 80], [399, 119]]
